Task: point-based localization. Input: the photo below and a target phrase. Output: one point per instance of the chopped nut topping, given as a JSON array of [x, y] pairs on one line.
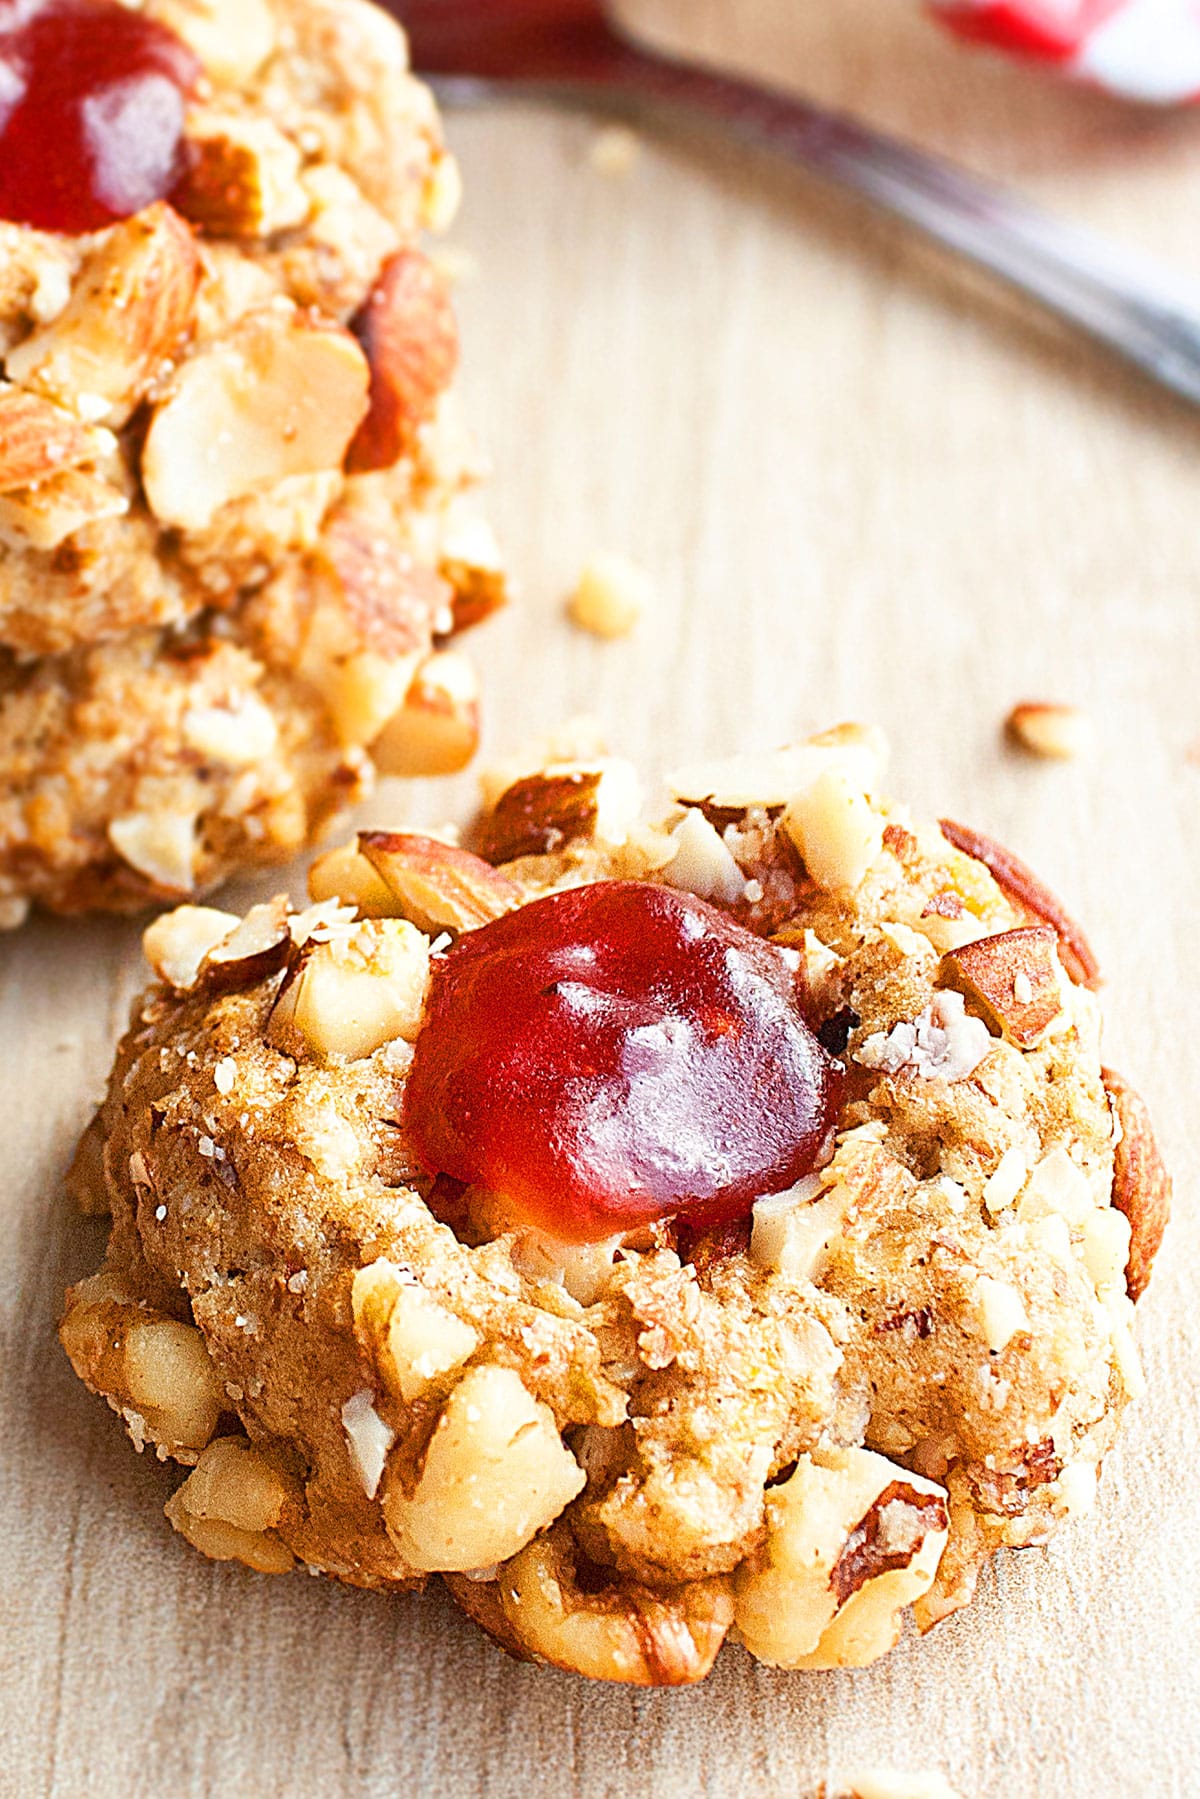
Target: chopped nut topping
[[945, 1043]]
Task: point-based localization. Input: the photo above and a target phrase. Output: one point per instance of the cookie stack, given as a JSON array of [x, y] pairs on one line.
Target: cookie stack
[[719, 1227], [231, 540]]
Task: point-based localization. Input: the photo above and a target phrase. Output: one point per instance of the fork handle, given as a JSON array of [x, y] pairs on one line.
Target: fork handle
[[1122, 300]]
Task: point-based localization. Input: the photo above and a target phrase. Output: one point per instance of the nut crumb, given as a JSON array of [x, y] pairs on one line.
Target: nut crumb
[[1052, 731], [614, 151], [611, 595]]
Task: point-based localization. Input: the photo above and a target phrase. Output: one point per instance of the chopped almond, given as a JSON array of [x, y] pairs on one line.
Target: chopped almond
[[1013, 979]]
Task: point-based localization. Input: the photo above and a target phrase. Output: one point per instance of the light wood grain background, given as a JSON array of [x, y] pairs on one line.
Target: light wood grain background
[[864, 486]]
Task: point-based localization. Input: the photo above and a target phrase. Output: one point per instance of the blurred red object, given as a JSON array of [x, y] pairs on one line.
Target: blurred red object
[[1146, 50]]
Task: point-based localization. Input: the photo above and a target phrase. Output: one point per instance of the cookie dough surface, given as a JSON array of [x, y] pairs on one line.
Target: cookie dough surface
[[228, 461], [618, 1454]]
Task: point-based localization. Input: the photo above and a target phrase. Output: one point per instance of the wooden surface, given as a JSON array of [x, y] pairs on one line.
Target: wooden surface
[[866, 487]]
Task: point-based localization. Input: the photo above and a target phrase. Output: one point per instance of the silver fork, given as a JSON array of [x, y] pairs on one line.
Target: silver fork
[[571, 49]]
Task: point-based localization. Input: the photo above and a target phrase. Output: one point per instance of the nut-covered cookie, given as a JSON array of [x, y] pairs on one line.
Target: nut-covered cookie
[[232, 544], [715, 1228]]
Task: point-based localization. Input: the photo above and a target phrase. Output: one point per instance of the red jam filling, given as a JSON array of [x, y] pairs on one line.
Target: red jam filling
[[92, 100], [616, 1054]]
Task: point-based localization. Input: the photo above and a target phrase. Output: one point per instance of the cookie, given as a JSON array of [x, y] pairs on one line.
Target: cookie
[[231, 482], [716, 1228]]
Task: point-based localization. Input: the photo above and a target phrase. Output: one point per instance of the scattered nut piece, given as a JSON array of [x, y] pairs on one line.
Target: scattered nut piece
[[615, 150], [160, 845], [345, 874], [129, 309], [368, 1438], [1141, 1184], [561, 804], [1051, 731], [439, 886], [37, 439], [792, 1231], [472, 564], [703, 863], [836, 830], [643, 1639], [43, 517], [1013, 978], [351, 995], [408, 331], [176, 943], [945, 1043], [1057, 1186], [243, 176], [257, 949], [495, 1473], [851, 1540], [856, 752], [280, 394], [154, 1370], [1030, 896], [234, 736], [1005, 1182], [611, 596], [1001, 1312], [230, 1504], [436, 730], [412, 1338]]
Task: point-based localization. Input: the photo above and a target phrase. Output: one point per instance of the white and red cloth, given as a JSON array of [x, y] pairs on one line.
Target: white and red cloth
[[1147, 50]]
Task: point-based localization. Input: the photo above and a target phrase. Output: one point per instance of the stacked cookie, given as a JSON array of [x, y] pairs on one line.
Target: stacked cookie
[[231, 540]]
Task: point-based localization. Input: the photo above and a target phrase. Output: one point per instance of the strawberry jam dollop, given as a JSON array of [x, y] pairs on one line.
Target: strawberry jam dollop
[[92, 100], [615, 1054]]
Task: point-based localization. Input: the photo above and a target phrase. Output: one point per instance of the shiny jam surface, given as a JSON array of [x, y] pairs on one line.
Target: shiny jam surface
[[92, 100], [615, 1054]]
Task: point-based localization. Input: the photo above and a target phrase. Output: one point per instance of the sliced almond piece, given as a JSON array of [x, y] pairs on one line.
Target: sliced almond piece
[[243, 176], [177, 942], [1141, 1184], [1030, 896], [439, 886], [257, 949], [544, 812], [702, 862], [436, 731], [43, 517], [835, 828], [279, 395], [129, 309], [408, 331], [1013, 979], [37, 439], [160, 844], [774, 777]]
